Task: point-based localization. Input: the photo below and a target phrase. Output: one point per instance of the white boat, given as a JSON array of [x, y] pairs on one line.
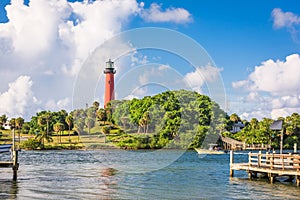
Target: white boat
[[211, 150]]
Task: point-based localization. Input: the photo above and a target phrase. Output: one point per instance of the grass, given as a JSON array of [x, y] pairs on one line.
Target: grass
[[62, 141], [85, 141]]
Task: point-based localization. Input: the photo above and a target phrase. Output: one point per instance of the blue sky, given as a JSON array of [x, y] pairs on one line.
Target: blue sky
[[254, 44]]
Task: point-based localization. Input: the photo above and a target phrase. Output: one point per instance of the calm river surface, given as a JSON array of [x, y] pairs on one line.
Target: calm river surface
[[118, 174]]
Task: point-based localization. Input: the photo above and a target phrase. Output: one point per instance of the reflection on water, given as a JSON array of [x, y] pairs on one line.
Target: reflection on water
[[108, 181], [256, 187], [8, 189], [97, 175]]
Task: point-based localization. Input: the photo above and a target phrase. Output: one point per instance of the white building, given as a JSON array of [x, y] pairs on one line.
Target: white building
[[237, 127], [6, 126]]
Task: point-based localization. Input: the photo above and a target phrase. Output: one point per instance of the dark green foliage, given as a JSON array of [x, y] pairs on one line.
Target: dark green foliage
[[258, 132], [31, 144], [172, 119], [26, 128]]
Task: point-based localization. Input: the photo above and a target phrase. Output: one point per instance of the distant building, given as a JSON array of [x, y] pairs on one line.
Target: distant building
[[237, 127], [6, 126]]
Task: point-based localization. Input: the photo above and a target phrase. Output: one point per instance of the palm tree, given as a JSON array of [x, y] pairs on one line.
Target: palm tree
[[12, 123], [69, 121], [147, 120], [234, 118], [41, 137], [78, 126], [101, 114], [58, 127], [90, 119], [47, 117], [19, 123], [43, 120], [3, 120], [108, 112], [96, 105]]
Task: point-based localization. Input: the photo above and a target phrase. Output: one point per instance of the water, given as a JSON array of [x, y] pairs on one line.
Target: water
[[112, 174]]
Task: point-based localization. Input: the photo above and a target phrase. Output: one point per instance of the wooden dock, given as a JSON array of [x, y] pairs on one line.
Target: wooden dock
[[13, 163], [232, 144], [269, 165]]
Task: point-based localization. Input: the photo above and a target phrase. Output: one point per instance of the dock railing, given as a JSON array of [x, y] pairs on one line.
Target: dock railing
[[270, 164], [274, 161]]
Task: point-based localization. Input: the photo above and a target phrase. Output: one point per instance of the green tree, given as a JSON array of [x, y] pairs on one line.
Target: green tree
[[90, 119], [234, 118], [41, 137], [3, 120], [12, 123], [69, 121], [26, 128], [43, 122], [79, 126], [19, 124], [101, 115], [96, 105], [58, 128]]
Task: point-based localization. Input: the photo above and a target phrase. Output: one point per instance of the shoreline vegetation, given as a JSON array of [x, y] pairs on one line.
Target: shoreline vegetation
[[172, 119]]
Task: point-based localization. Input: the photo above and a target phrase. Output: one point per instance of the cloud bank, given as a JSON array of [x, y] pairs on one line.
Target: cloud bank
[[44, 44], [274, 86]]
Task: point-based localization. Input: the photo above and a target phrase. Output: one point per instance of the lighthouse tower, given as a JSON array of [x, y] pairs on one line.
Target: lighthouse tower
[[109, 82]]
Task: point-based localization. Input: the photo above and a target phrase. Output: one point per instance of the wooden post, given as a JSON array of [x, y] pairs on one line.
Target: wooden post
[[281, 141], [297, 180], [295, 147], [249, 159], [271, 177], [15, 165], [231, 163], [14, 157], [272, 161], [259, 159], [267, 159], [13, 140], [250, 175]]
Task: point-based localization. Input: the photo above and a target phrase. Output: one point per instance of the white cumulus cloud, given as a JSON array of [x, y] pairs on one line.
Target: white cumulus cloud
[[274, 87], [18, 98], [201, 76], [276, 77], [156, 14]]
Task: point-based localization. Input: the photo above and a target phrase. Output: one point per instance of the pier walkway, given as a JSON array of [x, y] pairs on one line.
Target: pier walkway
[[232, 144], [269, 165], [13, 162]]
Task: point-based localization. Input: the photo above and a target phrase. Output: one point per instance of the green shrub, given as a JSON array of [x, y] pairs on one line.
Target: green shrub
[[31, 144]]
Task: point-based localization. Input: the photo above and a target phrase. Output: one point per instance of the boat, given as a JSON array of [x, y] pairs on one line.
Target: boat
[[213, 149]]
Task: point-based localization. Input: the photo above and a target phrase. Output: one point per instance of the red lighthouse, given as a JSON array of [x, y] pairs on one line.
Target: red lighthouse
[[109, 82]]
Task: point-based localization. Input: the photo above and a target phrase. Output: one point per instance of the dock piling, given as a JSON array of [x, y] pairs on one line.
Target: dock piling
[[13, 162], [231, 163]]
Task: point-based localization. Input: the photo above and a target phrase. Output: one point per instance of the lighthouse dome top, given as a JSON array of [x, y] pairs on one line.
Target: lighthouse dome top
[[109, 64], [109, 67]]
